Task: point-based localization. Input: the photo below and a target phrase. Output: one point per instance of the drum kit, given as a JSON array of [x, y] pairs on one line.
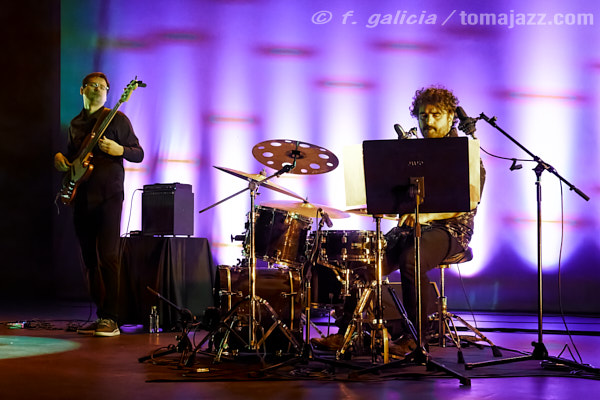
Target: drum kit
[[266, 300], [266, 309]]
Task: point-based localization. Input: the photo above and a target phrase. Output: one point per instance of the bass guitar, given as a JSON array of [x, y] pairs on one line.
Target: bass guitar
[[81, 167]]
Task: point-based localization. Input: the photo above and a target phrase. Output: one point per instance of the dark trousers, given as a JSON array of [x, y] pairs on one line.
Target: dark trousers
[[436, 244], [98, 231]]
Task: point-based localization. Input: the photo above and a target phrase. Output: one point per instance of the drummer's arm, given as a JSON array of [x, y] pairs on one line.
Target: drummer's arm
[[409, 219]]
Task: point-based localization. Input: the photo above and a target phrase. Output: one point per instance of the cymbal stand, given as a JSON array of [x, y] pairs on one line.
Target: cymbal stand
[[254, 301], [539, 349], [419, 356]]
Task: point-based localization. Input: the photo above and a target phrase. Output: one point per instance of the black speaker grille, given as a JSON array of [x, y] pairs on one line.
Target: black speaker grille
[[168, 209]]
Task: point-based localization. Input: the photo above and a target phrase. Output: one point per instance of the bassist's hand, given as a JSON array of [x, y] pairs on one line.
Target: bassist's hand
[[110, 147], [61, 163]]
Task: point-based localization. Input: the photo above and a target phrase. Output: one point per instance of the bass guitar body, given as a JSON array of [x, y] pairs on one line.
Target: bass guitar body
[[78, 173]]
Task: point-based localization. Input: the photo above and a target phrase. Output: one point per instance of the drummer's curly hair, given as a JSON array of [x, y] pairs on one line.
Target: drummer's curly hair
[[437, 95]]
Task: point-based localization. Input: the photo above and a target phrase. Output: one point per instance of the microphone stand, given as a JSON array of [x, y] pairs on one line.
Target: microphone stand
[[185, 345], [539, 349]]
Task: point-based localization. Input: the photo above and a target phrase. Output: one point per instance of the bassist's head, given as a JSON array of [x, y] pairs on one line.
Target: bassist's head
[[88, 78], [94, 89]]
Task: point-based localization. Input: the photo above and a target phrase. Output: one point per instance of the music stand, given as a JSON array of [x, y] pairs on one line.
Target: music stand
[[425, 175]]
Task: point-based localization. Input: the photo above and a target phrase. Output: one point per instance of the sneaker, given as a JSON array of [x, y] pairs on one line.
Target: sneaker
[[88, 329], [107, 327], [402, 346], [329, 343]]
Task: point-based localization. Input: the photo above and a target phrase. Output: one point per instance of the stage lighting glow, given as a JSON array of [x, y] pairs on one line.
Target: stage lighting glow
[[28, 346]]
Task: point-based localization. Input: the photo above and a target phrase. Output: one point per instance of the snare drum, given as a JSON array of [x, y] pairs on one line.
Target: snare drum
[[279, 236], [280, 287], [342, 247]]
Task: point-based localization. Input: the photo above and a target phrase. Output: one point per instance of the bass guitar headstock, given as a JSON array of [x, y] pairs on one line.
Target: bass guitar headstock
[[134, 84]]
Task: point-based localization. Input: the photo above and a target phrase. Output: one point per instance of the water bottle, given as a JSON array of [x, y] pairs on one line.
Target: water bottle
[[153, 326]]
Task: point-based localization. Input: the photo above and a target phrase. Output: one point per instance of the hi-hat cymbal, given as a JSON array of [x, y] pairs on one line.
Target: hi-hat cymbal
[[258, 178], [305, 208], [310, 159]]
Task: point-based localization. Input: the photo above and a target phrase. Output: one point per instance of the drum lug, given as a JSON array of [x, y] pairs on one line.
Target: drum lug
[[323, 254]]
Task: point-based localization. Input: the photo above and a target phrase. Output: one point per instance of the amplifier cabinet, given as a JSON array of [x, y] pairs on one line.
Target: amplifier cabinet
[[168, 209]]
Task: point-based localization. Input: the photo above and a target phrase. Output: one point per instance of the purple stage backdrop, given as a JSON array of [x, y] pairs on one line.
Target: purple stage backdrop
[[223, 76]]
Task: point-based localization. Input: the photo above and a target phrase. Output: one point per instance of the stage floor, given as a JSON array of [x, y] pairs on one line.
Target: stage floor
[[46, 361]]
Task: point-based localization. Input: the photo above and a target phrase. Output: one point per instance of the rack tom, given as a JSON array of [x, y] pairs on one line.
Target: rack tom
[[279, 236]]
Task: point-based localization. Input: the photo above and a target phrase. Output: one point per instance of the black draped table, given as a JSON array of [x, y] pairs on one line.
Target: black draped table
[[181, 269]]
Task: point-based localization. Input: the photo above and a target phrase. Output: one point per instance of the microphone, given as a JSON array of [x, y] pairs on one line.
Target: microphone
[[467, 124], [326, 218], [402, 134]]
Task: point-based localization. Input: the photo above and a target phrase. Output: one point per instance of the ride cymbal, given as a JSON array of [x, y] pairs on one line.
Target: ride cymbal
[[305, 208], [309, 159], [259, 178]]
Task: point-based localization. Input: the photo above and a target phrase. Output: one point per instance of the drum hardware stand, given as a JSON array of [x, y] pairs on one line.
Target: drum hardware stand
[[356, 325], [379, 334], [539, 349], [307, 353]]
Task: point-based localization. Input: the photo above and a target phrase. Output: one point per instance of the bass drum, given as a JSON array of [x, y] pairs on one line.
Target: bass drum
[[279, 287]]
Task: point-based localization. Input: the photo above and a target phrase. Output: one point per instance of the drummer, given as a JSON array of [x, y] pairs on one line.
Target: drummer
[[442, 235]]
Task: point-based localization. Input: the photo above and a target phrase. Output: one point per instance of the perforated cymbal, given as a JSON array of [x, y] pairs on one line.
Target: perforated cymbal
[[258, 178], [310, 159], [305, 208]]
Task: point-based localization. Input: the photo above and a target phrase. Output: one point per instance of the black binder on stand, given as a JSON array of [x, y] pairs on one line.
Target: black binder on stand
[[450, 184]]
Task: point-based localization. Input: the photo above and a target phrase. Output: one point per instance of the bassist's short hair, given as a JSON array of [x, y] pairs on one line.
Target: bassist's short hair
[[95, 75]]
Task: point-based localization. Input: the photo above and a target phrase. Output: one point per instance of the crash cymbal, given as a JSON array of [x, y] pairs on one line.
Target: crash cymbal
[[310, 159], [258, 178], [305, 208]]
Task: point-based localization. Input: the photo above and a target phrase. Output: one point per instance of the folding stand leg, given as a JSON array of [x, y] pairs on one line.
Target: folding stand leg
[[356, 323], [447, 328]]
